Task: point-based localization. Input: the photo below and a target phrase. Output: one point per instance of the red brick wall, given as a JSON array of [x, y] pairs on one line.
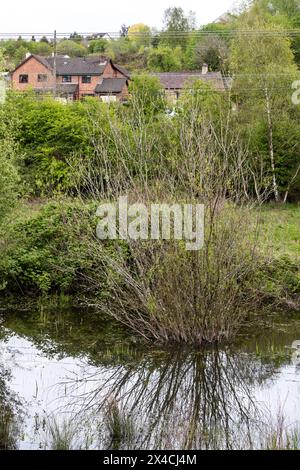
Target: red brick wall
[[111, 72], [32, 68]]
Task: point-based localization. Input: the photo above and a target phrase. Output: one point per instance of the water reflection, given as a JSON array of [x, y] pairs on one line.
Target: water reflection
[[180, 400], [9, 410], [296, 353], [83, 385]]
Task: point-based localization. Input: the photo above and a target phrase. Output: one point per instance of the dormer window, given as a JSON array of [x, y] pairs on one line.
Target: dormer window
[[67, 78], [23, 78]]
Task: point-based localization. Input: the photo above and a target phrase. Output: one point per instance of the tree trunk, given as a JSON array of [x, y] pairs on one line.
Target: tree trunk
[[271, 148]]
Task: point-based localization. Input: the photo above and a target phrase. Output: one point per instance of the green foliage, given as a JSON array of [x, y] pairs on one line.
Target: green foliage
[[147, 94], [176, 25], [140, 34], [71, 48], [163, 59], [50, 248], [97, 45], [264, 73], [9, 177], [49, 133]]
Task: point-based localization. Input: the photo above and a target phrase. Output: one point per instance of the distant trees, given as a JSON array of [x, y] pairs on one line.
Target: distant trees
[[176, 26], [164, 59], [140, 34], [71, 48], [213, 51], [97, 45]]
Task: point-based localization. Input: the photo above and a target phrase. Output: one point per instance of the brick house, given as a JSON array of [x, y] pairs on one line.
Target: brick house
[[75, 77], [174, 83]]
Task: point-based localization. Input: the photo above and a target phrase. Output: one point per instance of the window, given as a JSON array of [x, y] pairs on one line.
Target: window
[[42, 77], [108, 99], [66, 78], [23, 78], [86, 79]]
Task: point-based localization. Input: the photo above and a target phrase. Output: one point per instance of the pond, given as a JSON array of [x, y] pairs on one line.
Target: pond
[[74, 380]]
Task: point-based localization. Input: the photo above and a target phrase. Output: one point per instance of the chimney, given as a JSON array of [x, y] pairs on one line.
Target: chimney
[[204, 69]]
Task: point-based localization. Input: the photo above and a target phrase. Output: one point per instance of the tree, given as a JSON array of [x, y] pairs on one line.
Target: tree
[[44, 39], [9, 178], [164, 59], [147, 95], [97, 45], [176, 26], [140, 34], [2, 61], [124, 31], [264, 71], [212, 51], [76, 37], [71, 48], [40, 48]]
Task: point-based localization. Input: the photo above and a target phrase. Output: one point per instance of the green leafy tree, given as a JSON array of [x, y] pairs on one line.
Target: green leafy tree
[[71, 48], [176, 27], [147, 94], [140, 34], [97, 45], [163, 59], [264, 71]]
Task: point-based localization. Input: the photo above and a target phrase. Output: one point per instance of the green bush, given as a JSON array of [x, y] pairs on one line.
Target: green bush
[[51, 248]]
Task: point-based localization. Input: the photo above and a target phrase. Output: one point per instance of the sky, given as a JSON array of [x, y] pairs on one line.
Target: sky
[[34, 16]]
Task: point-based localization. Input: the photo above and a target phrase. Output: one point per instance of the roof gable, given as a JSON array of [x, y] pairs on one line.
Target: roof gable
[[40, 59]]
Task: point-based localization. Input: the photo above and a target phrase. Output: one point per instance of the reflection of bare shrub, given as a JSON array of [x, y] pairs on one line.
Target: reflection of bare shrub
[[7, 428], [118, 426], [61, 434], [177, 400], [8, 415]]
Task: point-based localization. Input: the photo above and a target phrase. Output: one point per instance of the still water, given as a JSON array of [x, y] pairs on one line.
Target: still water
[[71, 380]]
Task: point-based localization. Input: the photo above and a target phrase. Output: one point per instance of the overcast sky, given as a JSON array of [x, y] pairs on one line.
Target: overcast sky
[[96, 15]]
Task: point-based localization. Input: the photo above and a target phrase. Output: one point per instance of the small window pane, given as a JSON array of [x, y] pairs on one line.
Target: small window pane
[[67, 78], [23, 78], [86, 79]]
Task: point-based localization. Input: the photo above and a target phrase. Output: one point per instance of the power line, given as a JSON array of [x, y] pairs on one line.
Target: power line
[[162, 34]]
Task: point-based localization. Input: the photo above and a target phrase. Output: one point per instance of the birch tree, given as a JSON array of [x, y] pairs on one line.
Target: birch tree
[[263, 69]]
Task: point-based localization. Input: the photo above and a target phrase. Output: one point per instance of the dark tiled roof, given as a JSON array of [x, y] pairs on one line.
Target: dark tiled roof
[[67, 88], [122, 70], [178, 80], [61, 88], [76, 66], [111, 85]]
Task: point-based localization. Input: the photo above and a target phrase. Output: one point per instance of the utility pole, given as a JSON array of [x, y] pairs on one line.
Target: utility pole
[[54, 61]]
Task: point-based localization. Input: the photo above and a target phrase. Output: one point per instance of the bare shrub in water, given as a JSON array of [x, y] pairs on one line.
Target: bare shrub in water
[[168, 294], [161, 291]]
